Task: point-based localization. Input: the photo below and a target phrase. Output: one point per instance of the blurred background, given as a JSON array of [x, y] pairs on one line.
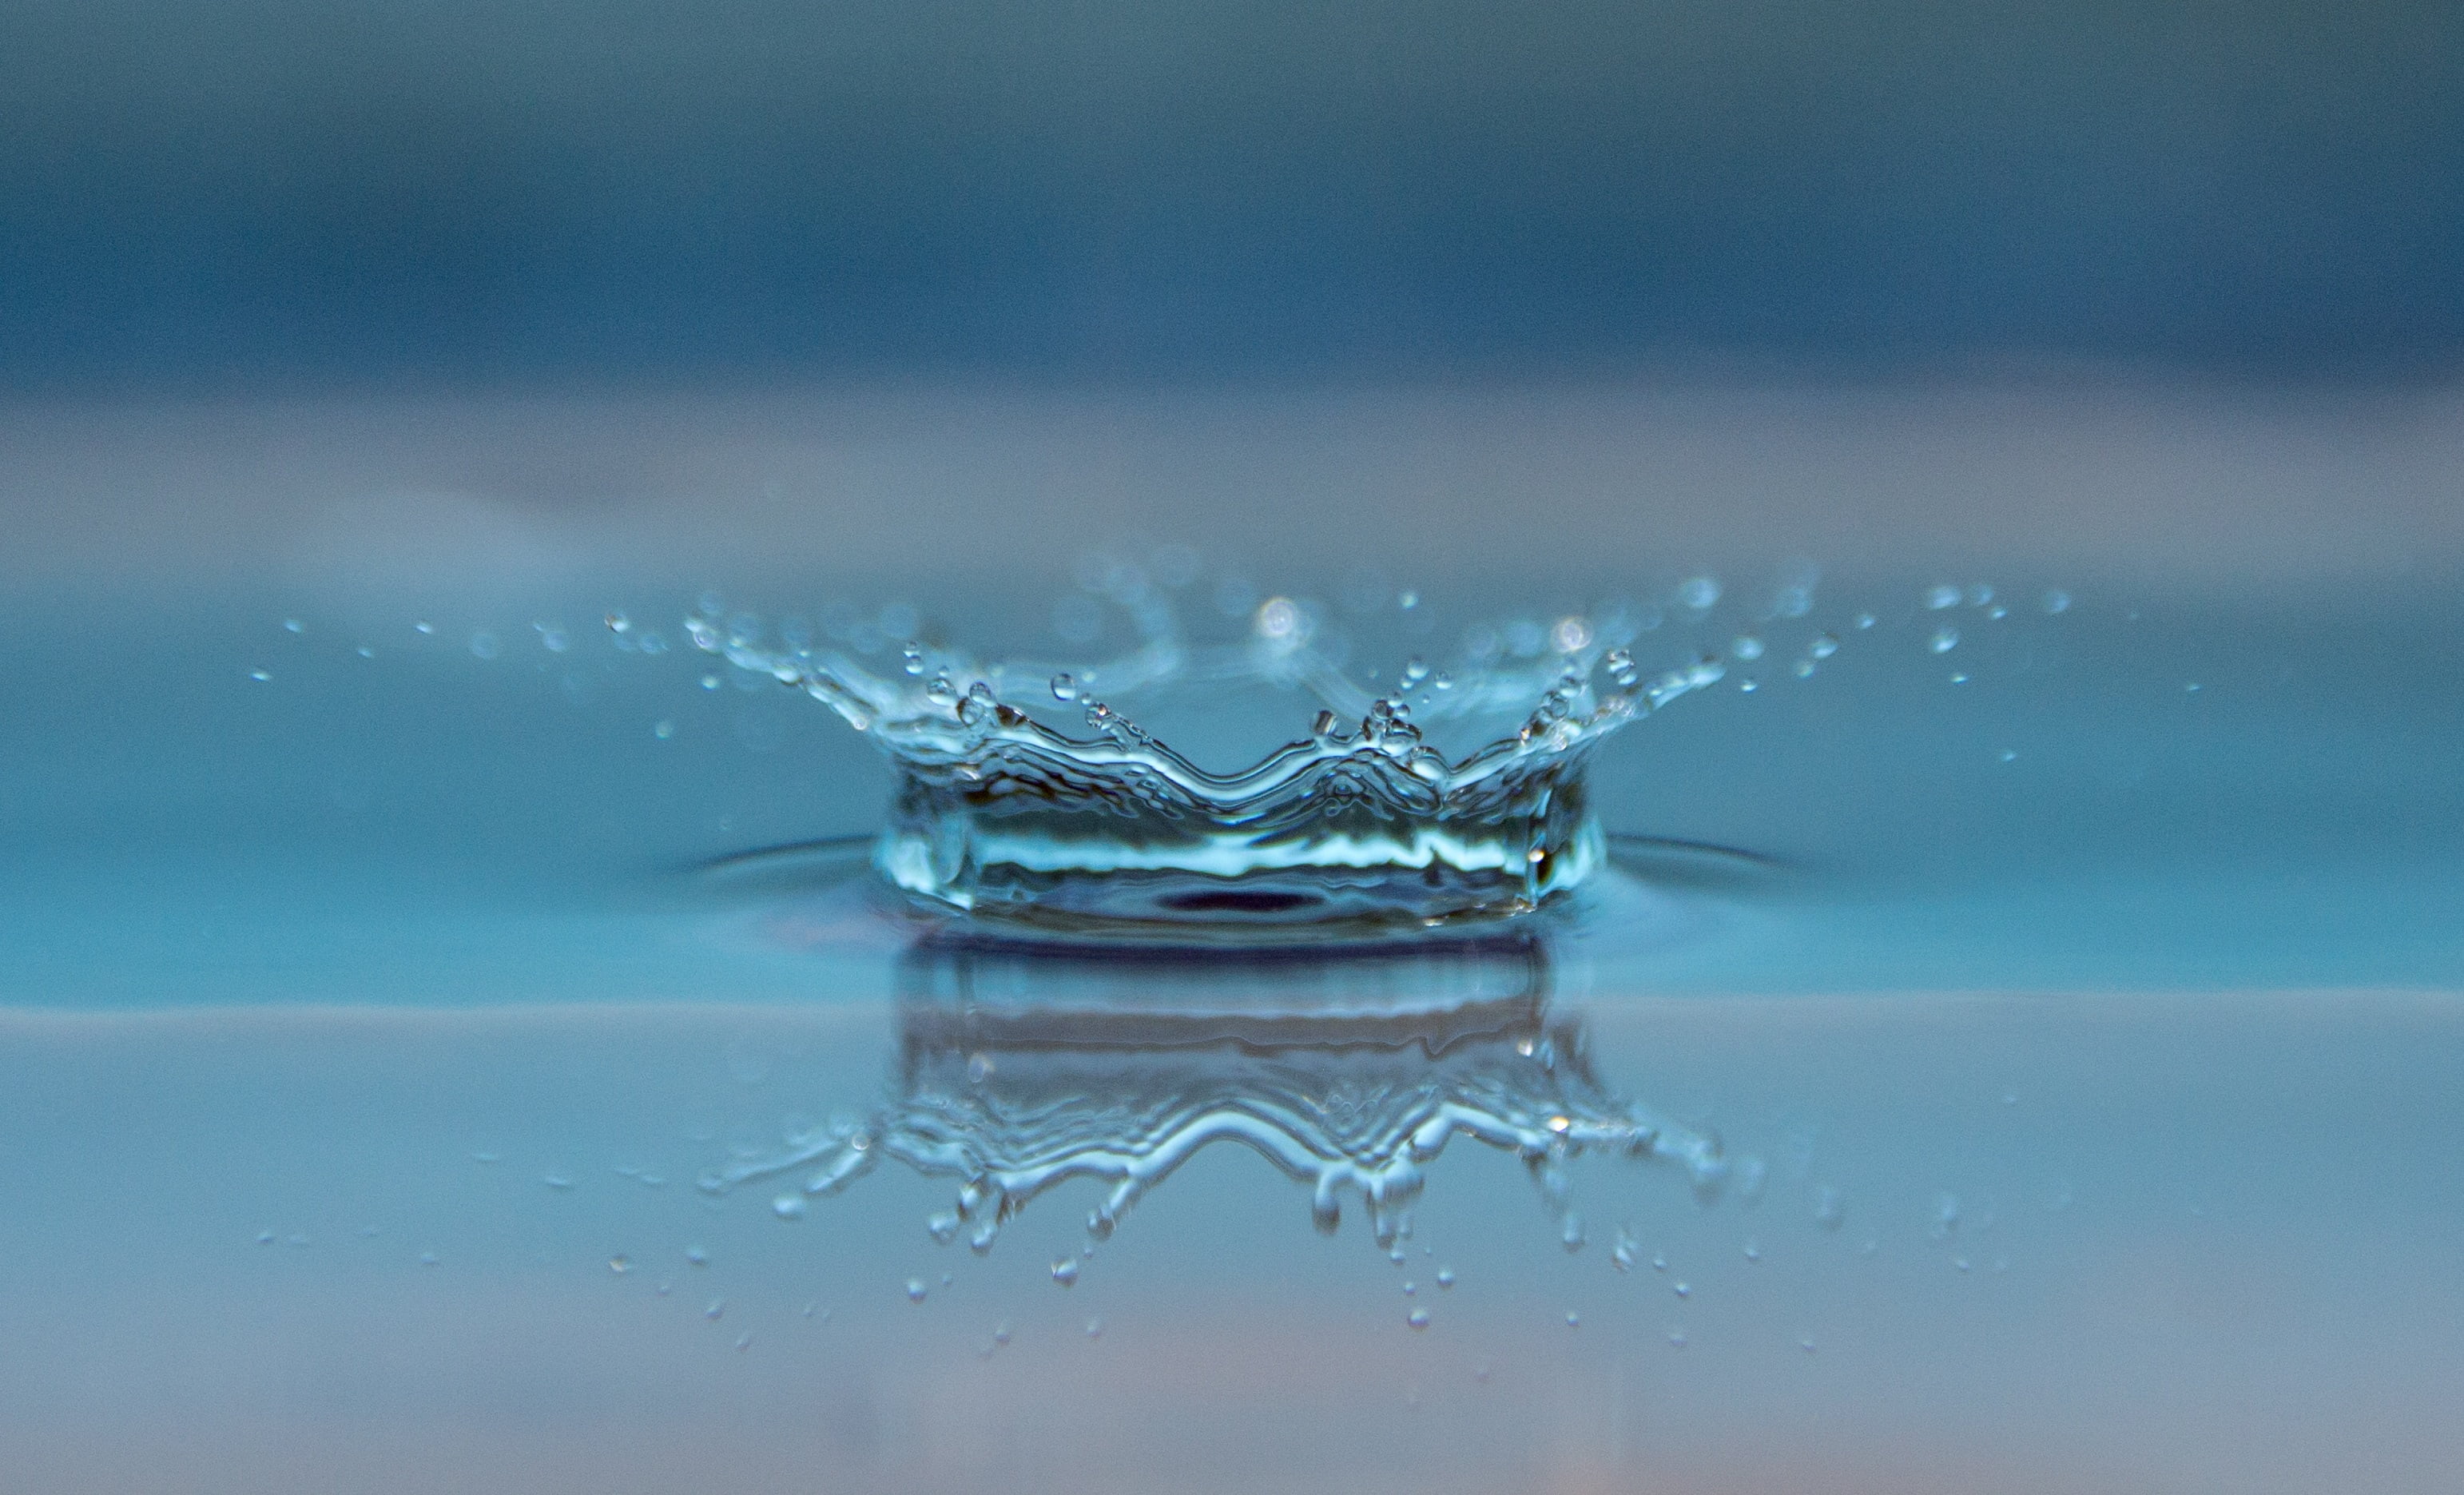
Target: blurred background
[[279, 193], [2173, 286]]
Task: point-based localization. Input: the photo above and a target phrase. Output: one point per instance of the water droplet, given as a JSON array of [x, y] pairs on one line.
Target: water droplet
[[1804, 669], [1571, 635], [556, 1181], [620, 1264], [618, 622], [2057, 601], [697, 1256], [260, 675], [710, 682], [1277, 620], [1747, 647], [1065, 1270], [943, 1226], [1417, 1318], [1065, 687], [428, 1259], [1094, 1329], [1685, 1289], [1829, 1208], [265, 1237], [1697, 593], [717, 1307], [364, 651], [1621, 668], [1659, 1264], [1445, 1277], [552, 637], [424, 627], [1960, 1262], [979, 1068], [663, 730], [1944, 641], [1573, 1321], [1411, 1288], [1997, 613], [788, 1206], [744, 1341], [1753, 1251], [1979, 596], [1414, 671], [2009, 755], [1747, 684], [1941, 597], [1622, 1255], [483, 644], [915, 1289], [1959, 679]]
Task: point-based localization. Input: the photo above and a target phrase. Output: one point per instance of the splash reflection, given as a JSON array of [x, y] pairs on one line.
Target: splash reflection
[[1022, 1067]]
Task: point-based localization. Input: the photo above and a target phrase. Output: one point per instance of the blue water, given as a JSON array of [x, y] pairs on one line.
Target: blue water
[[2077, 1046]]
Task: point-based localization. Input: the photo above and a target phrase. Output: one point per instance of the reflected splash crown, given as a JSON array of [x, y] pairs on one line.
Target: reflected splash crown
[[1022, 1067]]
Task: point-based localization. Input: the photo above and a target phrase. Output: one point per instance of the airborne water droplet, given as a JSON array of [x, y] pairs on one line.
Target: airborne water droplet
[[1944, 641], [1065, 1270], [1065, 687], [915, 1289], [1417, 1318]]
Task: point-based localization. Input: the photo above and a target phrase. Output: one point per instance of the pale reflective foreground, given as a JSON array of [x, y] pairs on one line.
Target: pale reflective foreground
[[2054, 1243]]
